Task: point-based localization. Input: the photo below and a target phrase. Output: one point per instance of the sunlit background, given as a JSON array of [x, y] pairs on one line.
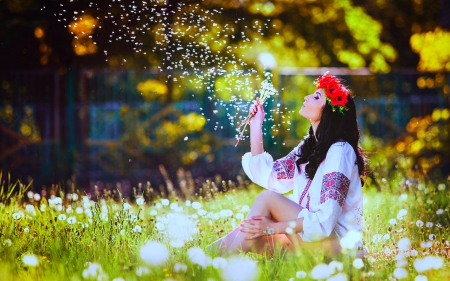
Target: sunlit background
[[108, 93]]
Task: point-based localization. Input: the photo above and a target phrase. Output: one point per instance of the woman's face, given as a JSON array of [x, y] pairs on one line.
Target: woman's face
[[313, 106]]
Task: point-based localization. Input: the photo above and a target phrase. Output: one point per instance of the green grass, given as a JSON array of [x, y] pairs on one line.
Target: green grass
[[110, 235]]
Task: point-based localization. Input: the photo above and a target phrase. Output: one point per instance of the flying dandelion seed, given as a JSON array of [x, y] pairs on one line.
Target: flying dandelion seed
[[30, 260], [154, 253]]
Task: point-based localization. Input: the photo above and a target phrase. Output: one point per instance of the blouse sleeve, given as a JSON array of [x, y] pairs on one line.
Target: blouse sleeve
[[276, 175], [338, 167]]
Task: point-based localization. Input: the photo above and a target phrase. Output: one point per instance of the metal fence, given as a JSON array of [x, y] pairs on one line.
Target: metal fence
[[55, 125]]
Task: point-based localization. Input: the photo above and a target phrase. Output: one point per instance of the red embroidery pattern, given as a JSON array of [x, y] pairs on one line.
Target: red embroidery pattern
[[305, 191], [335, 186], [285, 167]]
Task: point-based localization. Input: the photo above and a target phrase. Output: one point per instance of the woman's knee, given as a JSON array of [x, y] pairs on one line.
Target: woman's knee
[[266, 195]]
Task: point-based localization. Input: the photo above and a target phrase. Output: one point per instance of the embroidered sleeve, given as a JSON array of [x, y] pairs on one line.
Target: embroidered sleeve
[[278, 176], [335, 186], [285, 167]]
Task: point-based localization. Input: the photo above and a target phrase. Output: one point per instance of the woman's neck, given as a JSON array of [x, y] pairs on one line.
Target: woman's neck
[[314, 126]]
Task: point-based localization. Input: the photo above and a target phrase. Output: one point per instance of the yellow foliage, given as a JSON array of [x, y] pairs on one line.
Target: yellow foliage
[[433, 50], [83, 28], [151, 89], [192, 122]]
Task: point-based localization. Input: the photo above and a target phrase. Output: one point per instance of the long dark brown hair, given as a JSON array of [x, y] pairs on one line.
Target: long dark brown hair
[[333, 127]]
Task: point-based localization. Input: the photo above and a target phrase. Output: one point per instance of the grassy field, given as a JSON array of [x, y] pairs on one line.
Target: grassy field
[[71, 237]]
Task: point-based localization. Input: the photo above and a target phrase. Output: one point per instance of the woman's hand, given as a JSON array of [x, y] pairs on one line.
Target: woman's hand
[[258, 113], [257, 226]]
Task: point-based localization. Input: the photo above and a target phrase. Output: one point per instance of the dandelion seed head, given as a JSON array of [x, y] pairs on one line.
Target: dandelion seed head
[[429, 224], [421, 278], [219, 263], [30, 260], [321, 271], [335, 266], [154, 253], [240, 269], [403, 244], [358, 263], [71, 220], [439, 212], [400, 273], [300, 274], [351, 239], [142, 270], [198, 256], [93, 270], [419, 223], [178, 267]]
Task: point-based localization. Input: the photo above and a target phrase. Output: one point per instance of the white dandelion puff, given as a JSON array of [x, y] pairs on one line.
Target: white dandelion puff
[[198, 256], [419, 223], [219, 262], [179, 267], [427, 263], [358, 263], [154, 253], [300, 274], [321, 271], [400, 273], [196, 205], [240, 269], [30, 260], [403, 244], [71, 220], [142, 270]]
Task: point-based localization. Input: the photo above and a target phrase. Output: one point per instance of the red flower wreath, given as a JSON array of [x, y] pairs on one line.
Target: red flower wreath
[[336, 93]]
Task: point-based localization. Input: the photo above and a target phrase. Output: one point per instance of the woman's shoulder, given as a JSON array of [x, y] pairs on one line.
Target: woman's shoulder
[[341, 147]]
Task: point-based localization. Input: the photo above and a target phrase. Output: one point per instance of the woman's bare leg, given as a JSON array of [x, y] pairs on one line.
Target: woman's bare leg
[[221, 245], [277, 208]]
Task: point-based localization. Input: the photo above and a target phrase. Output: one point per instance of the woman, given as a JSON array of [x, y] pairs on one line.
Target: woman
[[326, 171]]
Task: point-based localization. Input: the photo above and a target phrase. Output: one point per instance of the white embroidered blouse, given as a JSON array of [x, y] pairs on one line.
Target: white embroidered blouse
[[332, 201]]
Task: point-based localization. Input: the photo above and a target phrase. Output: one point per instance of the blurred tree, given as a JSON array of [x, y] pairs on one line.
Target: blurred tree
[[372, 33]]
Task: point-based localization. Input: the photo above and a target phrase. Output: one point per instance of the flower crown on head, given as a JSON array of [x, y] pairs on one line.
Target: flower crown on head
[[336, 93]]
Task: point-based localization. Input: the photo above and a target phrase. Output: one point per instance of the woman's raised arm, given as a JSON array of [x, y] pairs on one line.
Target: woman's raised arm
[[256, 139]]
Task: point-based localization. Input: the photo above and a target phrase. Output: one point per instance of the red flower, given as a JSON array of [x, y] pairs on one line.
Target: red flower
[[334, 90]]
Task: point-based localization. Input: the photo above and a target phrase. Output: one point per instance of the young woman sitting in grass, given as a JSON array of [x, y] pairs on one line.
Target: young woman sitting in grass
[[326, 171]]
